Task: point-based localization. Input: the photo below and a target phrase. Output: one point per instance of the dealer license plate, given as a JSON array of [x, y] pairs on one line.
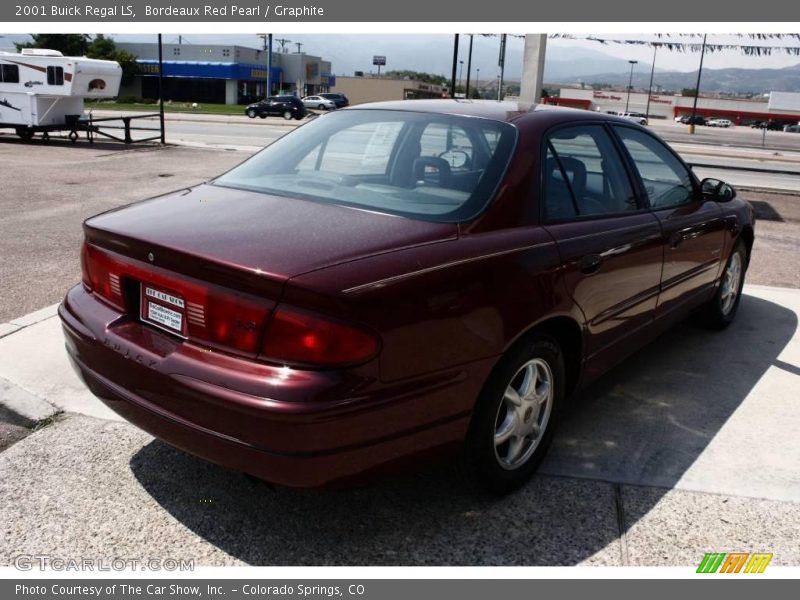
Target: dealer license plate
[[162, 309]]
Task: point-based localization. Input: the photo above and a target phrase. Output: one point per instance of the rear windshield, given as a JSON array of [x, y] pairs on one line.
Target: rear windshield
[[422, 165]]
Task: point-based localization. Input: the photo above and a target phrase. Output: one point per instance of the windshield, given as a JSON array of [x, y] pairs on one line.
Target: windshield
[[422, 165]]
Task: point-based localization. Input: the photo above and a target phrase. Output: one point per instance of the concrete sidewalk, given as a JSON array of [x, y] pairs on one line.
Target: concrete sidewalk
[[689, 447]]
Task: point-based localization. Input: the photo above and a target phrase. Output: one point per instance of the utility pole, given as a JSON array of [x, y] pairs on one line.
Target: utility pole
[[697, 87], [283, 42], [269, 66], [469, 65], [630, 85], [455, 63], [161, 90], [650, 87], [267, 37], [501, 62], [299, 45]]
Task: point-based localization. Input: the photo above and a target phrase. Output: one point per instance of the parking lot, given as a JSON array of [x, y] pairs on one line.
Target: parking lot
[[690, 447]]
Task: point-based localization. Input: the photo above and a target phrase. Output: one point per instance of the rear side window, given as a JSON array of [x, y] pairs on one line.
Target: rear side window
[[583, 158], [9, 74], [55, 76], [666, 180]]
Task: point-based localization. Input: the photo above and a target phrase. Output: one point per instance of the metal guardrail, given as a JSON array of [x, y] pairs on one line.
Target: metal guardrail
[[740, 168]]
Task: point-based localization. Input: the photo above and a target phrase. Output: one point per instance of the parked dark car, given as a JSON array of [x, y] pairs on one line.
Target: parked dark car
[[340, 100], [288, 107], [693, 120], [771, 125], [399, 281]]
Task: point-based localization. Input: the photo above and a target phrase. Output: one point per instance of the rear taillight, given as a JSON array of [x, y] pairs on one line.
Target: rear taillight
[[298, 338], [223, 318], [214, 316], [101, 274]]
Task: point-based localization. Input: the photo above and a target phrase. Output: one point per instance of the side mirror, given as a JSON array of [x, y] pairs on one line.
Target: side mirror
[[716, 190]]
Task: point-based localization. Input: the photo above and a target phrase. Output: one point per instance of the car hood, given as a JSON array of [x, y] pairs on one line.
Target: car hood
[[260, 233]]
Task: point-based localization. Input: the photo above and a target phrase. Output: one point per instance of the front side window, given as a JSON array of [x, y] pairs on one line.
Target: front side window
[[583, 161], [55, 76], [427, 166], [666, 180]]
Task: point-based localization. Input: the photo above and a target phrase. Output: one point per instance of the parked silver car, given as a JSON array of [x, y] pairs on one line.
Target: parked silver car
[[318, 102]]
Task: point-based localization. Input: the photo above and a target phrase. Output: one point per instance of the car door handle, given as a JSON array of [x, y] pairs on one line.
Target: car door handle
[[590, 263], [675, 239]]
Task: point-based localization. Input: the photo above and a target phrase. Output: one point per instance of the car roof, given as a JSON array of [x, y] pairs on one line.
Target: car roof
[[508, 111]]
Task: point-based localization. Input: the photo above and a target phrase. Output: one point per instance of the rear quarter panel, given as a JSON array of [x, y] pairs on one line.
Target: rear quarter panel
[[445, 304]]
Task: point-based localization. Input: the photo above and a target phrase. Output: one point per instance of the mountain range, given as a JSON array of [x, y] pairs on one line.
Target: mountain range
[[712, 80]]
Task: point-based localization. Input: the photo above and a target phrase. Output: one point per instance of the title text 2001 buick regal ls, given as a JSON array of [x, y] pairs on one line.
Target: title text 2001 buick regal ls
[[397, 280]]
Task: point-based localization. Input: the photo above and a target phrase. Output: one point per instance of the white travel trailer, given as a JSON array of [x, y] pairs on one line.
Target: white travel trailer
[[43, 90]]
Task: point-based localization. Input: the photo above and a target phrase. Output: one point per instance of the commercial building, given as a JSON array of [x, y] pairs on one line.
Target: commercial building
[[224, 74], [781, 106], [375, 89]]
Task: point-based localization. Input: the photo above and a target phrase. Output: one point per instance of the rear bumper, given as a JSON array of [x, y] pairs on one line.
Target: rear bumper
[[295, 428]]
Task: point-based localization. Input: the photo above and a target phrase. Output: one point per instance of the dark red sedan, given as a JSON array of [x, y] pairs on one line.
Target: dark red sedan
[[398, 280]]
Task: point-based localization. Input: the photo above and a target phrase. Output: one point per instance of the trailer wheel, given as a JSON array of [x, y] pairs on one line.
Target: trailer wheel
[[25, 133]]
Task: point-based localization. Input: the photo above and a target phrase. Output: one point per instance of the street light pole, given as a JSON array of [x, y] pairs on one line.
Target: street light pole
[[630, 85], [460, 70], [469, 66], [478, 80], [697, 86], [455, 63], [502, 64], [160, 90], [650, 87]]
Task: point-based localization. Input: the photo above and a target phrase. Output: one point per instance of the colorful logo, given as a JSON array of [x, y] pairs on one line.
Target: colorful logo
[[734, 562]]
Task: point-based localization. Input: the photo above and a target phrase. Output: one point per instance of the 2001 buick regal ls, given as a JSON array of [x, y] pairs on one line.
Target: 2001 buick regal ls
[[397, 280]]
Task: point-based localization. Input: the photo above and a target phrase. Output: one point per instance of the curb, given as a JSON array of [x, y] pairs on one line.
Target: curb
[[25, 404], [24, 321]]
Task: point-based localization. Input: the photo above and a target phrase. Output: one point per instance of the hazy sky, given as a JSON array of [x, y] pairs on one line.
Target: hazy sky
[[485, 53]]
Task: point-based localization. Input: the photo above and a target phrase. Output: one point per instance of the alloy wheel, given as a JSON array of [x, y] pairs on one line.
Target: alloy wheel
[[730, 283], [523, 414]]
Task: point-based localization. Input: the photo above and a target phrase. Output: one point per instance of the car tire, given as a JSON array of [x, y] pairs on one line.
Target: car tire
[[263, 116], [287, 114], [721, 310], [321, 107], [524, 394], [252, 113]]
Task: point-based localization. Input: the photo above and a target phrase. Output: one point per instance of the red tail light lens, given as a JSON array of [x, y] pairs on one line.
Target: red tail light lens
[[215, 316], [222, 318], [101, 273], [299, 338]]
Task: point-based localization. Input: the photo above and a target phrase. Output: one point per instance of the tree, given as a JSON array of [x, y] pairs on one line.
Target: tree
[[417, 76], [689, 92], [69, 44]]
